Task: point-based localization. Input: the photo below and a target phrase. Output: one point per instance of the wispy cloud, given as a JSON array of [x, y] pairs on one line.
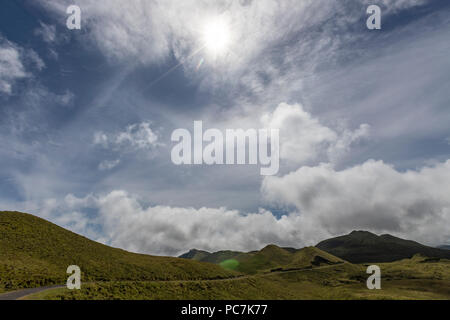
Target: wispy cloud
[[108, 164], [11, 66], [46, 32]]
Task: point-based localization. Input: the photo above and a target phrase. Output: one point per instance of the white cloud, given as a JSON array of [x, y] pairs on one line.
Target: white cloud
[[301, 135], [11, 66], [101, 139], [345, 140], [46, 32], [138, 136], [275, 46], [164, 230], [39, 95], [65, 99], [108, 164], [372, 196], [147, 30], [393, 6], [304, 138], [34, 57]]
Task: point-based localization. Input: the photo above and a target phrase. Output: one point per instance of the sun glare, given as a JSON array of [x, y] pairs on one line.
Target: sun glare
[[216, 36]]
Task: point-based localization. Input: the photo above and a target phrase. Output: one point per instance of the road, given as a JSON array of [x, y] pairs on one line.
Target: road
[[18, 294]]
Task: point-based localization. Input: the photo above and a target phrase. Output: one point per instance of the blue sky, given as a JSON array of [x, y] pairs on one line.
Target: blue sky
[[86, 117]]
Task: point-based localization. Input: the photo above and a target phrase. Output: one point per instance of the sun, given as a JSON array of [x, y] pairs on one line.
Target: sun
[[216, 36]]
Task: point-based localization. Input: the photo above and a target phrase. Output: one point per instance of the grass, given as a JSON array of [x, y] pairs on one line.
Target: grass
[[337, 282], [35, 252]]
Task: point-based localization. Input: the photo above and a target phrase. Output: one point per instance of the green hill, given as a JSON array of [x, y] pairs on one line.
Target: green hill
[[195, 254], [312, 257], [363, 246], [35, 252], [270, 258], [215, 257]]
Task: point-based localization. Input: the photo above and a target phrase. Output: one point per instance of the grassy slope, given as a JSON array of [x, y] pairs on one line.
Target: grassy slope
[[311, 256], [363, 246], [195, 254], [269, 258], [215, 257], [406, 279], [35, 252]]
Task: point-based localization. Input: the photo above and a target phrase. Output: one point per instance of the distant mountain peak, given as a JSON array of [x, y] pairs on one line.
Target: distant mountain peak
[[194, 254], [362, 233], [270, 247], [364, 246]]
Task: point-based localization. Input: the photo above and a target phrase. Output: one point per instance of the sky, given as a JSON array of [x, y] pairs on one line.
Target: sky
[[86, 118]]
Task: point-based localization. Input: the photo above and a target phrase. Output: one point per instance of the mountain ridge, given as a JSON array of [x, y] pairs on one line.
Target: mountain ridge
[[269, 258], [363, 246], [359, 246]]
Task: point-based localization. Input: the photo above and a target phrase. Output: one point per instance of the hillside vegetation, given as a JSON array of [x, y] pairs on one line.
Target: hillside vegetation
[[270, 258], [416, 278], [35, 252]]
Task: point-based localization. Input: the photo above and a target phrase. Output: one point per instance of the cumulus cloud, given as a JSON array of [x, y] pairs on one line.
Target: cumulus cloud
[[323, 202], [304, 138], [127, 223], [138, 136], [371, 196]]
